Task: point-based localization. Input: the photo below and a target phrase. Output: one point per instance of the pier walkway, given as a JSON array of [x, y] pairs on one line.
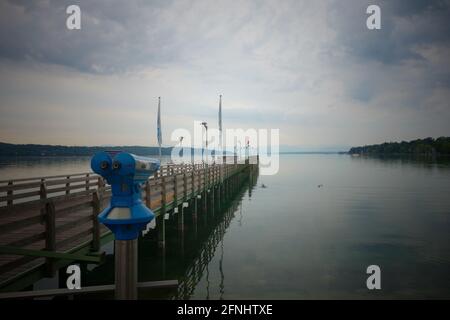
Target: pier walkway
[[48, 222]]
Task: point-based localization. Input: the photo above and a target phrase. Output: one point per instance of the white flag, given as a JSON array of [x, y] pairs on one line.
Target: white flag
[[159, 123]]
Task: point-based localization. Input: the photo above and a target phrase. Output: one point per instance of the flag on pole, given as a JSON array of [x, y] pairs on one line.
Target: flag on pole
[[220, 122], [220, 113], [159, 126]]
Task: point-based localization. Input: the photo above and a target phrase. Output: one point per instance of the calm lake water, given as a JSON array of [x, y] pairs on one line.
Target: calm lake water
[[310, 233]]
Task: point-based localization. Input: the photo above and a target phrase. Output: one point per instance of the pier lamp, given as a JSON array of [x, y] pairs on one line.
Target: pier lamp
[[181, 146], [240, 150], [126, 215]]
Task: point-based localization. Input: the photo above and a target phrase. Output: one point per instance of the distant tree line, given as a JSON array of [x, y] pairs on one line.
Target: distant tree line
[[427, 146], [40, 150]]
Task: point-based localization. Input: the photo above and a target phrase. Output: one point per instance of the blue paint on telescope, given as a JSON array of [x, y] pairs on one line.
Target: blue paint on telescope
[[126, 215]]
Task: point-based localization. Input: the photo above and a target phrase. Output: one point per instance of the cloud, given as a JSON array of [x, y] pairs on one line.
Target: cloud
[[405, 25], [311, 68]]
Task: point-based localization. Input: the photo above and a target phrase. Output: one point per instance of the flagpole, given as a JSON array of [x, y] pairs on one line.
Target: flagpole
[[159, 127], [220, 126]]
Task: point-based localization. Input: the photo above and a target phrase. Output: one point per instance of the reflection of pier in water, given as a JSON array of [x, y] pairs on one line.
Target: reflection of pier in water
[[207, 249], [191, 242], [48, 223]]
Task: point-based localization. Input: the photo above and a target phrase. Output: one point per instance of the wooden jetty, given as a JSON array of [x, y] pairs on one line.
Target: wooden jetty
[[191, 248], [48, 222]]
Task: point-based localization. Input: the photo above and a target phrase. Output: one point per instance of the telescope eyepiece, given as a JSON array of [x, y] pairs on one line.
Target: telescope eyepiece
[[104, 165], [116, 165]]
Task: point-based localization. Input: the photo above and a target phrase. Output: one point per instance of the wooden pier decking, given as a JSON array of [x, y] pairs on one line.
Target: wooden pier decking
[[47, 222]]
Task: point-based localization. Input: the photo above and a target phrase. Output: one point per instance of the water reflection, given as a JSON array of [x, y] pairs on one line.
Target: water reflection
[[418, 161], [199, 264], [287, 238], [189, 250]]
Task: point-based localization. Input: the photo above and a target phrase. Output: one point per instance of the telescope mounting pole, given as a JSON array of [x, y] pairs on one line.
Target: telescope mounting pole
[[126, 265]]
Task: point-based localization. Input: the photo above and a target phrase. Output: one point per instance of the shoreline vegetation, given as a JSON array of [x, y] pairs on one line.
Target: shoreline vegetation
[[41, 150], [427, 146], [44, 150]]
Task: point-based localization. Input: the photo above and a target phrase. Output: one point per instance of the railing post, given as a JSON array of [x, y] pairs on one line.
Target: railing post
[[100, 184], [175, 190], [193, 183], [87, 181], [9, 193], [185, 185], [163, 192], [50, 236], [43, 196], [68, 185], [160, 220], [148, 200], [96, 208]]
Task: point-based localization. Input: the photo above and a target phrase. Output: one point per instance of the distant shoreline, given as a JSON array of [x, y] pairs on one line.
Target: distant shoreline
[[40, 150], [426, 147]]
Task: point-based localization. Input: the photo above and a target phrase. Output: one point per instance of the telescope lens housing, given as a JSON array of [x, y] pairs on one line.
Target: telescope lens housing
[[126, 215], [101, 164], [116, 165], [104, 165]]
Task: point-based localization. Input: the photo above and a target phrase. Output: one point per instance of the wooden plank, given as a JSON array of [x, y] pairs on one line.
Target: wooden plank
[[156, 193], [49, 254], [16, 263], [69, 179], [39, 236], [72, 224], [10, 197], [61, 212], [36, 204], [75, 195], [84, 290], [96, 209], [22, 186], [20, 224], [45, 177], [50, 235], [72, 187], [77, 236]]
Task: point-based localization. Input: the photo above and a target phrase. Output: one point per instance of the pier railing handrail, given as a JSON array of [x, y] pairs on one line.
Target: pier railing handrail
[[46, 177], [168, 165], [56, 213]]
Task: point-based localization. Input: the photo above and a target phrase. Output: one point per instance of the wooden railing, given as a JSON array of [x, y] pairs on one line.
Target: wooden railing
[[59, 213]]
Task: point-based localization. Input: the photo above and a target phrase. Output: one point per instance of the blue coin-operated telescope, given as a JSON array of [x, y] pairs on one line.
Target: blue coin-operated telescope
[[125, 172]]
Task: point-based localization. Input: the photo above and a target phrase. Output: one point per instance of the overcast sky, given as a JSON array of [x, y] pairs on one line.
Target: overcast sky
[[310, 68]]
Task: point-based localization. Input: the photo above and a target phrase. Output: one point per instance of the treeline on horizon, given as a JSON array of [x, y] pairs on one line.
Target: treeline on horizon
[[40, 150], [427, 146]]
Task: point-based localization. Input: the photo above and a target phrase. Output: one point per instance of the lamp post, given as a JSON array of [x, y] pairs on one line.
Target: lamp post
[[181, 141], [205, 124], [181, 147], [247, 152], [240, 150]]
